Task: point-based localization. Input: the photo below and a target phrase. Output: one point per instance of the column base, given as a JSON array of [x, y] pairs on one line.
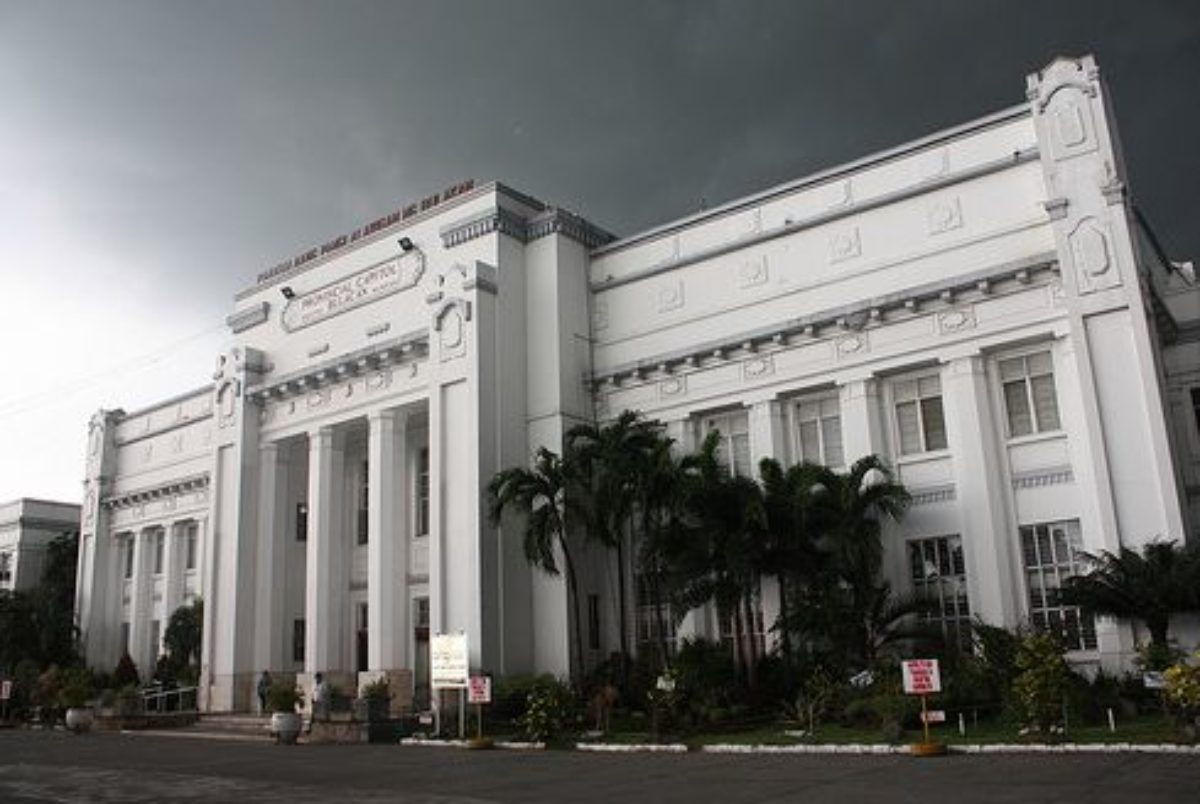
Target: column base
[[400, 687], [230, 693]]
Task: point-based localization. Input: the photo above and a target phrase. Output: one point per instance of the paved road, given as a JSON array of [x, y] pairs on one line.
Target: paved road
[[41, 766]]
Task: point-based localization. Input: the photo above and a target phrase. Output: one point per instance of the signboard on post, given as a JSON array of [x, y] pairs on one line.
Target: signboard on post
[[921, 676], [479, 691], [5, 689], [448, 661]]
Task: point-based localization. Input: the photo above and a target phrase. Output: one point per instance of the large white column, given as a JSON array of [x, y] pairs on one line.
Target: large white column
[[176, 532], [766, 433], [269, 629], [983, 490], [388, 492], [139, 601], [862, 419], [325, 602]]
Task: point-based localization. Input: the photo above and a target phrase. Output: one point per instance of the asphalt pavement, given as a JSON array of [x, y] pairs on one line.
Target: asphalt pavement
[[54, 766]]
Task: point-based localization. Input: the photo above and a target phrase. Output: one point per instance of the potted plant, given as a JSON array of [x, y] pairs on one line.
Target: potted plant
[[73, 696], [374, 701], [283, 698]]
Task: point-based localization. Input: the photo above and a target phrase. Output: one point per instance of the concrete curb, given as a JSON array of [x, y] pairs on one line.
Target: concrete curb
[[986, 748], [465, 744], [629, 748]]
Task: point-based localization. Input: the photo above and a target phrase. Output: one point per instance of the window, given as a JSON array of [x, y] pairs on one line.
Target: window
[[920, 422], [1049, 553], [128, 548], [301, 521], [817, 431], [5, 567], [593, 622], [651, 617], [124, 637], [1029, 398], [363, 496], [423, 492], [938, 573], [420, 614], [737, 634], [155, 630], [1196, 408], [733, 451], [298, 637], [190, 546], [160, 538]]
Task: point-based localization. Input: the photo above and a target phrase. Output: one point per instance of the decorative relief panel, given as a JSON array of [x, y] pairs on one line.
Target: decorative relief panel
[[852, 345], [838, 194], [932, 164], [1094, 268], [599, 316], [957, 319], [672, 386], [752, 273], [1069, 119], [757, 367], [670, 297], [844, 245], [943, 215]]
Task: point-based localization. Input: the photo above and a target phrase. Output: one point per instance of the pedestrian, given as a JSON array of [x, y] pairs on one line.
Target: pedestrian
[[320, 700], [264, 686]]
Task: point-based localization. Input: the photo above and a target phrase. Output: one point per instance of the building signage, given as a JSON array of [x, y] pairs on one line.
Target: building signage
[[368, 229], [479, 691], [448, 661], [921, 676], [355, 290], [933, 716]]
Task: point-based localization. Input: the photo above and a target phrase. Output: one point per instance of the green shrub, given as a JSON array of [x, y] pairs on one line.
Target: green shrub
[[76, 688], [284, 696], [549, 710], [1041, 687], [126, 672], [510, 695], [377, 690]]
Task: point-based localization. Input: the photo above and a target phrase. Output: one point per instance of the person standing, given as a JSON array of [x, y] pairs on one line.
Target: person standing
[[320, 700], [264, 686]]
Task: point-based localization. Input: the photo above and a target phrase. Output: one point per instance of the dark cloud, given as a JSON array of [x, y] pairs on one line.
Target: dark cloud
[[199, 142]]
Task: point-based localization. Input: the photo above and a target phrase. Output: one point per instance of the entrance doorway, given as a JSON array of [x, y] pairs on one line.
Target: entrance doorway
[[361, 652]]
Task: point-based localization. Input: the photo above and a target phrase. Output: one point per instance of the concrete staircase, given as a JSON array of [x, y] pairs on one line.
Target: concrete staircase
[[226, 726]]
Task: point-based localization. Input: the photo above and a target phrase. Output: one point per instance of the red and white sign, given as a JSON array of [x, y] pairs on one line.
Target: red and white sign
[[934, 716], [5, 689], [921, 676], [479, 691]]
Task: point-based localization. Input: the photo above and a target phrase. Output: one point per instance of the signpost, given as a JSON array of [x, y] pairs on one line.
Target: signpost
[[448, 669], [479, 692], [5, 694], [923, 677]]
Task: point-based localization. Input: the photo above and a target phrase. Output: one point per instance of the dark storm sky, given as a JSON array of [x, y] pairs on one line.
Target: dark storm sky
[[154, 156]]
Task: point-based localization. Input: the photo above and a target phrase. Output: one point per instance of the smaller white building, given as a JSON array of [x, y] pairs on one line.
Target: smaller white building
[[27, 526]]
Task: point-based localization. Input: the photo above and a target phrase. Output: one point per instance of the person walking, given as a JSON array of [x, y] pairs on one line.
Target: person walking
[[320, 700], [264, 686]]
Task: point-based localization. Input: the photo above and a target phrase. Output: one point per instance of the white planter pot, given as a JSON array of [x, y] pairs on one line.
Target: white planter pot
[[285, 726], [79, 719]]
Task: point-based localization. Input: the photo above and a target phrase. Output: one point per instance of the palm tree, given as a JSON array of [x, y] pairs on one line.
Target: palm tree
[[1150, 586], [848, 509], [610, 460], [539, 496], [791, 553]]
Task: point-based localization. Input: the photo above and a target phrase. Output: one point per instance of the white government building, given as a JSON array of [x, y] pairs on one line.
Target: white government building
[[982, 307]]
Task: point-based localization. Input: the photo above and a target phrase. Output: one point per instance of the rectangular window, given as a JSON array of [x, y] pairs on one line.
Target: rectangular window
[[363, 496], [190, 546], [160, 538], [1030, 401], [420, 615], [920, 422], [128, 547], [651, 617], [1196, 408], [5, 567], [423, 492], [1048, 552], [734, 629], [124, 638], [733, 451], [155, 635], [301, 521], [593, 622], [363, 619], [818, 431], [939, 573], [298, 637]]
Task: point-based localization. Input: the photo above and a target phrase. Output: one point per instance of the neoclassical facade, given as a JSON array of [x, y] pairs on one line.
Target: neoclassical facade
[[27, 526], [981, 307]]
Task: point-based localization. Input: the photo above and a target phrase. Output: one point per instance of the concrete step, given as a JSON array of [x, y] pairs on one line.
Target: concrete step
[[234, 723]]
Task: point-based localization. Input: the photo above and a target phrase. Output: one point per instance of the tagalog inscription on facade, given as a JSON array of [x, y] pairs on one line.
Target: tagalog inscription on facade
[[355, 290]]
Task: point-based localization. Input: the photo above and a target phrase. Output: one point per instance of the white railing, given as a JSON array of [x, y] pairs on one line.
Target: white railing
[[157, 699]]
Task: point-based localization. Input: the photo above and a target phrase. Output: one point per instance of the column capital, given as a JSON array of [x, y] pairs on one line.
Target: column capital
[[393, 416]]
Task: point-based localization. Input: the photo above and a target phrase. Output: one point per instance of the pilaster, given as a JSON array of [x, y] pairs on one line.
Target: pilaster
[[270, 630]]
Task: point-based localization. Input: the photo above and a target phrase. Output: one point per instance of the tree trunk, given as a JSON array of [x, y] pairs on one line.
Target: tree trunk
[[623, 673], [751, 638], [738, 635], [573, 591], [785, 638]]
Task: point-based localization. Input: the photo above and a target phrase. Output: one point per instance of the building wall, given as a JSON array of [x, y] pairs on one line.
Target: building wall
[[27, 527], [970, 307]]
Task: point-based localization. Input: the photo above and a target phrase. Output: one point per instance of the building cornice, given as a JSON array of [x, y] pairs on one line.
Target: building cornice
[[171, 488], [821, 219], [406, 348], [250, 317], [833, 322], [526, 229]]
